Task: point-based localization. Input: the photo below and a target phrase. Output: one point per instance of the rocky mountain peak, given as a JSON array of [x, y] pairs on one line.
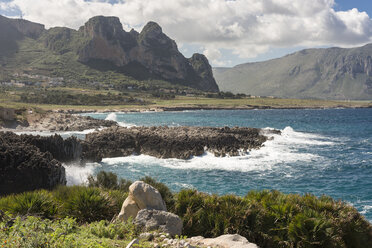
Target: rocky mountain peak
[[202, 67], [103, 43], [102, 26], [29, 29], [151, 29], [152, 36]]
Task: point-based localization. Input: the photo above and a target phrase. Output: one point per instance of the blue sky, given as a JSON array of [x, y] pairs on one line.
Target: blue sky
[[227, 32]]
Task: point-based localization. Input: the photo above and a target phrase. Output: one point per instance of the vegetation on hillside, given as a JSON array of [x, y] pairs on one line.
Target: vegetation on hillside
[[267, 218]]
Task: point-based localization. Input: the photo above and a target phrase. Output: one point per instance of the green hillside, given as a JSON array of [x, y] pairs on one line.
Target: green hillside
[[100, 52], [332, 73]]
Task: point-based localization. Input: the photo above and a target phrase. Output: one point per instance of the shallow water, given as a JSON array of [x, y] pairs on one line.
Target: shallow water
[[320, 151]]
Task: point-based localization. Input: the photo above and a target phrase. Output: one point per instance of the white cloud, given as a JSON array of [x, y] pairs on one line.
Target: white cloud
[[246, 27]]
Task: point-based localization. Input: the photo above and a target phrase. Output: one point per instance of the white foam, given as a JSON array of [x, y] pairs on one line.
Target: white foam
[[366, 209], [112, 117], [62, 133], [281, 150], [184, 185], [291, 137], [77, 174]]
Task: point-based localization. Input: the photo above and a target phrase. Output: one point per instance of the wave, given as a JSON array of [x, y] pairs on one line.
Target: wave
[[78, 174], [113, 117], [282, 149], [62, 133]]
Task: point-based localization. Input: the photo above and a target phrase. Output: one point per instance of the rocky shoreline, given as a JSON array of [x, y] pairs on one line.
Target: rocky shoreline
[[172, 142], [29, 162], [196, 108], [57, 121], [24, 167]]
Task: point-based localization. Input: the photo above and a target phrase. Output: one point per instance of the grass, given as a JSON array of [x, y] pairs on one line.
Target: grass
[[268, 218], [9, 100], [67, 232], [273, 219]]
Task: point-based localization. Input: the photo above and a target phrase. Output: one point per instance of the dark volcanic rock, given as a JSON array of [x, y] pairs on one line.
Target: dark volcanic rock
[[170, 142], [24, 167], [64, 150]]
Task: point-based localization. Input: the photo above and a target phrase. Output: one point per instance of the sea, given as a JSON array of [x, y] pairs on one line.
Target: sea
[[322, 152]]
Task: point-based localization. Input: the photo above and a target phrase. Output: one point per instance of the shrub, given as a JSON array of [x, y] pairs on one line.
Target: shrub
[[108, 180], [120, 230], [117, 198], [273, 219], [38, 203], [88, 205], [33, 232]]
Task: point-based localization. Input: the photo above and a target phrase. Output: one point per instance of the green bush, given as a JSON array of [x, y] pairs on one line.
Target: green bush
[[273, 219], [267, 218], [119, 230], [108, 180], [31, 232], [38, 203], [88, 204], [117, 198]]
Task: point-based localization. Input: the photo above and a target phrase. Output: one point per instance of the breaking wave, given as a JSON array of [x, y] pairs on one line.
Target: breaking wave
[[282, 149]]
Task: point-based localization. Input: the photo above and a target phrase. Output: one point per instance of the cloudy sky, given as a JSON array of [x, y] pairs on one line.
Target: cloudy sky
[[228, 32]]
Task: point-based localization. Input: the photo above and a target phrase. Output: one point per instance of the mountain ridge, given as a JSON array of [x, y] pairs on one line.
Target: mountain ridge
[[319, 73], [102, 43]]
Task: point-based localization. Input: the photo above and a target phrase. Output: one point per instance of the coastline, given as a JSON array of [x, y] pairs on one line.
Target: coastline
[[192, 108]]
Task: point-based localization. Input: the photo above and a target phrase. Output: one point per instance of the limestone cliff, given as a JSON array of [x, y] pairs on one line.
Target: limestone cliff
[[103, 44], [149, 52]]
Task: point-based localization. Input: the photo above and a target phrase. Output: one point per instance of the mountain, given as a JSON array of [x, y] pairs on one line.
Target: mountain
[[101, 44], [331, 73]]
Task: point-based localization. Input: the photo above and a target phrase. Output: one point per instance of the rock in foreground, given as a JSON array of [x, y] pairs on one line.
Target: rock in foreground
[[145, 205], [141, 196], [224, 241], [171, 142], [151, 220]]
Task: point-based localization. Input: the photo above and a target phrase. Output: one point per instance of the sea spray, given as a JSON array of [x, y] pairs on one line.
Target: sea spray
[[112, 117], [282, 149], [77, 174]]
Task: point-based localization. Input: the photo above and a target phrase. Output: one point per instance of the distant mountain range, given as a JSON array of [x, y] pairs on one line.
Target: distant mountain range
[[101, 44], [331, 73]]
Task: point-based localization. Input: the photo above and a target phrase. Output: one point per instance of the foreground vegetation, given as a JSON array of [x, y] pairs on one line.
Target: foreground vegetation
[[267, 218]]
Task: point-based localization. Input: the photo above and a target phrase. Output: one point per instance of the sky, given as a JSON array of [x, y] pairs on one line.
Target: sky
[[228, 32]]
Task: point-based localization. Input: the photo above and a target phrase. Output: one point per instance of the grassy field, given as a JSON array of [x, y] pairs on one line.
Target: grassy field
[[86, 99]]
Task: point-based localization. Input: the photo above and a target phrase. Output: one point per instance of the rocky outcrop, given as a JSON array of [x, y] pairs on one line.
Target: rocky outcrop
[[151, 220], [150, 53], [171, 142], [24, 27], [23, 167], [141, 196], [64, 150], [202, 67], [224, 241], [67, 122], [27, 28]]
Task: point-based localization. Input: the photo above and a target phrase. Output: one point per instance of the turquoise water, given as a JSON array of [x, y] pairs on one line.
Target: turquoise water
[[320, 151]]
